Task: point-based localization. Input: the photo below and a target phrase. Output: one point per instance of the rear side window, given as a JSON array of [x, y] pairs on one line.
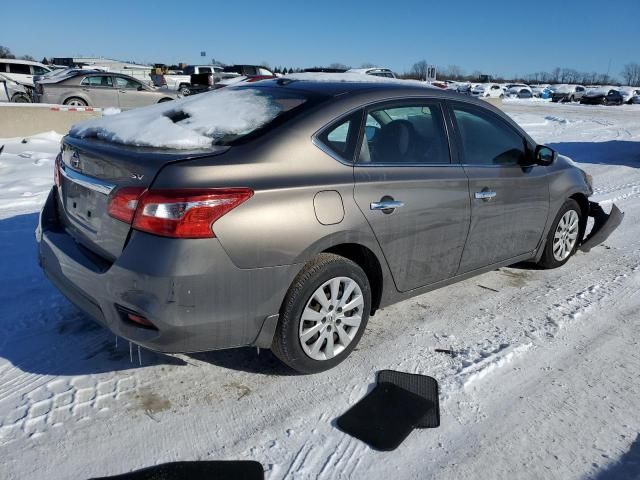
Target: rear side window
[[487, 140], [341, 137], [19, 68], [412, 134], [97, 81]]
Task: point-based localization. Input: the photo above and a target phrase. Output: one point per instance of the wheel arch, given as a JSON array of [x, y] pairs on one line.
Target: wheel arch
[[368, 261], [583, 202]]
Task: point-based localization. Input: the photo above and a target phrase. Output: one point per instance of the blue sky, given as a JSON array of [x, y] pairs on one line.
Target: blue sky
[[497, 37]]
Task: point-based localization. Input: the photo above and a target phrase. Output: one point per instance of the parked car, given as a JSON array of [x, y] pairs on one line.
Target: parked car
[[567, 93], [22, 71], [279, 231], [488, 90], [602, 96], [630, 94], [100, 89], [376, 71], [253, 72], [181, 80], [519, 90], [11, 91]]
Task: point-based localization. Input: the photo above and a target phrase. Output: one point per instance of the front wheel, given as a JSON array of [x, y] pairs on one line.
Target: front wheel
[[563, 237], [324, 314]]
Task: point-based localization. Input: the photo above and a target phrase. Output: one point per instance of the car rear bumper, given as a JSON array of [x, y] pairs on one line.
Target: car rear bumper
[[196, 298]]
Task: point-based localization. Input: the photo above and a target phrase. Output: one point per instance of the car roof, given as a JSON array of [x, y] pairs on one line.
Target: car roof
[[370, 69], [25, 62], [336, 88]]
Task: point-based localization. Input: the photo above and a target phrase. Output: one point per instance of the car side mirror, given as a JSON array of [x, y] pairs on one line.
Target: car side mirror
[[544, 155]]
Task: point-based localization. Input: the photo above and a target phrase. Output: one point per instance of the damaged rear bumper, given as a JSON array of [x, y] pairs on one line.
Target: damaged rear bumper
[[604, 224]]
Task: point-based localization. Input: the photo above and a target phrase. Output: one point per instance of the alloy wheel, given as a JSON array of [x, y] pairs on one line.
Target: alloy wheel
[[331, 318], [566, 235]]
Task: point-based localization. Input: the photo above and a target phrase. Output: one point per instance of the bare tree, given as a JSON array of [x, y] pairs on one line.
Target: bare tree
[[368, 65], [28, 57], [420, 70], [631, 74], [6, 53]]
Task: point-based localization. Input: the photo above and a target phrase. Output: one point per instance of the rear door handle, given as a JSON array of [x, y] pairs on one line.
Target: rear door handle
[[386, 205], [484, 195]]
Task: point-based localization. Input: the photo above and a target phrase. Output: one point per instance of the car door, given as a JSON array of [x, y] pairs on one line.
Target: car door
[[132, 94], [414, 198], [99, 90], [509, 202]]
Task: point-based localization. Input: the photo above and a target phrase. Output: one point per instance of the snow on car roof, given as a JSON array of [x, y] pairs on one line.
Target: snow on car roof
[[353, 78], [188, 123]]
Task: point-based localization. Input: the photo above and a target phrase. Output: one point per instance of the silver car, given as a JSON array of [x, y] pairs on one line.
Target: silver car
[[289, 234], [99, 89]]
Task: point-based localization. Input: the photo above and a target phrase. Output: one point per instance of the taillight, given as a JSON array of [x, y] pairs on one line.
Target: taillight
[[188, 213], [124, 202], [210, 80], [56, 170]]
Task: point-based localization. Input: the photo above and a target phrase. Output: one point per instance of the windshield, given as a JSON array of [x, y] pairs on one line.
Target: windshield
[[220, 117]]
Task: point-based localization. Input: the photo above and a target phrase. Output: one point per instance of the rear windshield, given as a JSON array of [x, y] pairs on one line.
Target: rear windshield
[[221, 117]]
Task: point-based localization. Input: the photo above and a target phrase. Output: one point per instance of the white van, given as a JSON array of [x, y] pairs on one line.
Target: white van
[[22, 71]]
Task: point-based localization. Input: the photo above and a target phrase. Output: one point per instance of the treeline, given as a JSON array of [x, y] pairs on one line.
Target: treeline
[[630, 75]]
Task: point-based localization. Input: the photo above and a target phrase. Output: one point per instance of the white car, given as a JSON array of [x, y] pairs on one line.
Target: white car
[[377, 72], [630, 94], [22, 71], [485, 90], [516, 89]]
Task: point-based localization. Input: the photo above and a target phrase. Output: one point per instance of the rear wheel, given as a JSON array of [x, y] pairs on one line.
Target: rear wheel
[[75, 102], [323, 315], [563, 237]]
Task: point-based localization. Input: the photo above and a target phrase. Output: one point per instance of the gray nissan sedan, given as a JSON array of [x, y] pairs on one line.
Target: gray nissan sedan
[[285, 221]]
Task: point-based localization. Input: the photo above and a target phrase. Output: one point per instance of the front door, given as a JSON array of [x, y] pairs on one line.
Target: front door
[[414, 198], [509, 202], [131, 93]]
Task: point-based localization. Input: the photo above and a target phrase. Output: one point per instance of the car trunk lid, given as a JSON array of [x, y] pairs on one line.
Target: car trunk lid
[[92, 170]]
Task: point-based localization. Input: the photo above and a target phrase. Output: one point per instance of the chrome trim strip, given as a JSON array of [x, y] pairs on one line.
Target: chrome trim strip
[[91, 183]]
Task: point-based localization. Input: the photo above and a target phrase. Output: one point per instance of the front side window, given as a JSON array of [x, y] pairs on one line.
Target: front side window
[[264, 71], [122, 82], [412, 134], [39, 70], [204, 70], [98, 81], [487, 140]]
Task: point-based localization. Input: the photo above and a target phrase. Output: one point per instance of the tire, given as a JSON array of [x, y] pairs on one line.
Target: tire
[[326, 270], [571, 99], [562, 255], [75, 101], [20, 98]]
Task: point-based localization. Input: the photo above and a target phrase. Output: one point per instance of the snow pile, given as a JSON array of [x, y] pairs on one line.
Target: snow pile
[[192, 122], [352, 78], [26, 171]]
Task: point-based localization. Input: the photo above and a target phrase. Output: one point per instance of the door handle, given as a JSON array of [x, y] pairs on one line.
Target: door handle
[[383, 205], [484, 195]]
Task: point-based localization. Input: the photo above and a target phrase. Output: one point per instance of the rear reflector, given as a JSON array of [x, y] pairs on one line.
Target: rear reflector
[[186, 213], [140, 320]]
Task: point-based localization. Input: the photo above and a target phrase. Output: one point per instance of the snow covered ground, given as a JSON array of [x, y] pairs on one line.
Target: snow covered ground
[[545, 383]]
